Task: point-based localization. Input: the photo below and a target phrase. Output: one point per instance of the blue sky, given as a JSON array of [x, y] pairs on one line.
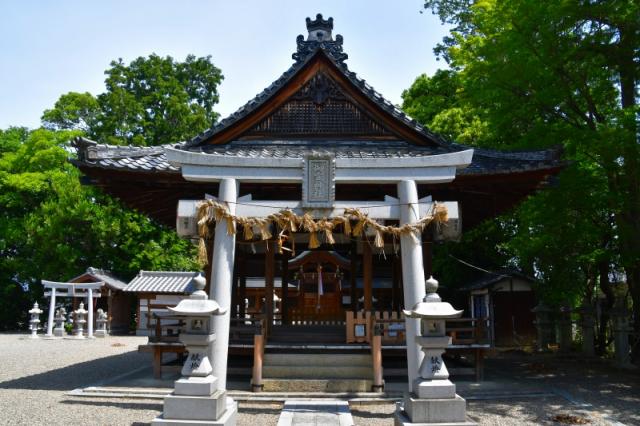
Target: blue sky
[[52, 47]]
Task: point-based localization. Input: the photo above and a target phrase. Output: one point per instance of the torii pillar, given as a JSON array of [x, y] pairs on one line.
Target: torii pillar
[[412, 273], [221, 282]]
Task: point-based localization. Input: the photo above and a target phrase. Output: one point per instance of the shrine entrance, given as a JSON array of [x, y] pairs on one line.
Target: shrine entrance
[[318, 276]]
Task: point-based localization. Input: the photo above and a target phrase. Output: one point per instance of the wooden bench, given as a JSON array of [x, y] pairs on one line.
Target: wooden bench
[[163, 340], [167, 330]]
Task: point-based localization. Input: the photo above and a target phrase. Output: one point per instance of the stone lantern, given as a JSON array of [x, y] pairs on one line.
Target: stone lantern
[[101, 323], [60, 319], [196, 399], [80, 321], [434, 398], [35, 320]]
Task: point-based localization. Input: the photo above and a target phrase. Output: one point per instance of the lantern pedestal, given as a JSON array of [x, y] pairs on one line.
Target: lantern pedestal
[[434, 400]]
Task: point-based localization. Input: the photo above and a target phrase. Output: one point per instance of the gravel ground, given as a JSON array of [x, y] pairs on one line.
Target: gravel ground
[[36, 376]]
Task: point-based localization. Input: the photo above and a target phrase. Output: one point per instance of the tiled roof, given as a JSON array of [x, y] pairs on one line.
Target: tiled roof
[[162, 282], [102, 275], [492, 278], [306, 51], [132, 158], [153, 159]]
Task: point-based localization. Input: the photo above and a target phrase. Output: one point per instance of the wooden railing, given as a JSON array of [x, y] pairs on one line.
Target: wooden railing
[[360, 325], [467, 335]]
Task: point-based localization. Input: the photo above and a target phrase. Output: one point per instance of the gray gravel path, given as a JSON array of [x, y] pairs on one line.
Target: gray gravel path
[[35, 377]]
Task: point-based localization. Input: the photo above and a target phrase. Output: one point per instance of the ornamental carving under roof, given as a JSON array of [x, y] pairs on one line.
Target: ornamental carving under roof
[[319, 89], [319, 108]]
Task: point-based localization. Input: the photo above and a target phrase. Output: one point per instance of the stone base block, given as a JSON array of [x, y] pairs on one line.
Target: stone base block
[[434, 389], [228, 418], [59, 332], [402, 419], [184, 407], [196, 386], [100, 333], [445, 410]]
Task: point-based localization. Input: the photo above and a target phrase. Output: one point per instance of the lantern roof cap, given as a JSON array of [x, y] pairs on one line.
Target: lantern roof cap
[[198, 305], [432, 307], [198, 308], [36, 309]]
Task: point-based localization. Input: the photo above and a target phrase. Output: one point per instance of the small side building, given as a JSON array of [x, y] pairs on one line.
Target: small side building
[[156, 291], [113, 299], [506, 300]]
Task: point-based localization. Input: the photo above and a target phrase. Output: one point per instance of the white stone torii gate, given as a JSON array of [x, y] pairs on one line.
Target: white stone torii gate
[[71, 292], [318, 175]]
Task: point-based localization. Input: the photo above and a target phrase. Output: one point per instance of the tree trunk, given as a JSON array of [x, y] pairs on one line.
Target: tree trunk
[[630, 226], [605, 315]]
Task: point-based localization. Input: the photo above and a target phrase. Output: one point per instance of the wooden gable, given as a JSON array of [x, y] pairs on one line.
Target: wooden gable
[[319, 109], [319, 102]]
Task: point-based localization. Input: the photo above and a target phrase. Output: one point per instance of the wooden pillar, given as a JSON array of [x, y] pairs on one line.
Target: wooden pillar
[[427, 252], [242, 291], [207, 267], [376, 355], [367, 274], [258, 352], [269, 273], [395, 289], [234, 291], [354, 275], [284, 266]]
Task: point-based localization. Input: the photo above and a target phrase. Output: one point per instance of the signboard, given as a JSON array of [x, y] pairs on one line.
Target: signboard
[[318, 182]]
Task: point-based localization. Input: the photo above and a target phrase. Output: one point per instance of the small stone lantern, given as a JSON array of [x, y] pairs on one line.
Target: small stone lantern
[[196, 399], [101, 324], [434, 398], [60, 319], [35, 320], [80, 321]]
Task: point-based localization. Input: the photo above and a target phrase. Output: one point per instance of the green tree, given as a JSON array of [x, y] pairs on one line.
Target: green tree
[[439, 103], [79, 111], [541, 73], [54, 228], [151, 101]]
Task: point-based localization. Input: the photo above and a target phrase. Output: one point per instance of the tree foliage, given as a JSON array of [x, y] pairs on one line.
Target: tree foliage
[[51, 227], [151, 101], [566, 72], [438, 102]]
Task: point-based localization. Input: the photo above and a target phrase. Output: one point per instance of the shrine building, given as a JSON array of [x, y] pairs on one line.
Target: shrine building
[[315, 201]]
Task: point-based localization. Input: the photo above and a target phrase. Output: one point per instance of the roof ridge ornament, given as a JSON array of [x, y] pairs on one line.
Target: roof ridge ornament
[[319, 37]]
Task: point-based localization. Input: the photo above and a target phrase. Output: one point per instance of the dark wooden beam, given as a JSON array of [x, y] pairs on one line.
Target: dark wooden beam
[[241, 260], [354, 275], [396, 267], [367, 274], [284, 268], [269, 274]]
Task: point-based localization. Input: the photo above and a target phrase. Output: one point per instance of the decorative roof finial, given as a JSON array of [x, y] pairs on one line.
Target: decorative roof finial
[[320, 37], [319, 29]]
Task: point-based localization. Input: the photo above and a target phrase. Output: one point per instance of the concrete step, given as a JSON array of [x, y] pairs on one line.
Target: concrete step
[[317, 372], [317, 385], [316, 360]]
